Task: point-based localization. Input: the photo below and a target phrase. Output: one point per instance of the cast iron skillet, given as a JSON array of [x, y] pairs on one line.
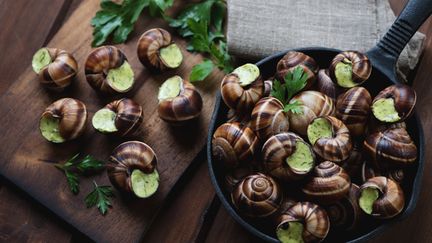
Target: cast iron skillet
[[383, 58]]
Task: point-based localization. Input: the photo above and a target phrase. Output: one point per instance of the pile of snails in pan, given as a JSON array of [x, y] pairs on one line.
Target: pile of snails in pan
[[333, 166], [107, 71]]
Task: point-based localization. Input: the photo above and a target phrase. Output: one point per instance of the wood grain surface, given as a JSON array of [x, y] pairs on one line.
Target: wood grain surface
[[191, 211]]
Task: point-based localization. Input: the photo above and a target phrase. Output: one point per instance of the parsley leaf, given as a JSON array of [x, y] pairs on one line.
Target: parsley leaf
[[100, 197], [118, 19], [89, 163], [295, 81], [73, 181], [201, 71]]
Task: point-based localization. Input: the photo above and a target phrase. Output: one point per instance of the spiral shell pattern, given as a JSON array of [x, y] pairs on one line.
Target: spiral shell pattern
[[328, 183], [268, 118], [391, 200], [325, 85], [127, 157], [293, 59], [361, 66], [257, 195], [404, 99], [314, 218], [276, 150], [313, 104], [129, 115], [233, 144], [59, 74], [392, 147], [184, 107], [97, 65], [72, 114], [241, 99], [353, 109], [338, 147], [149, 45]]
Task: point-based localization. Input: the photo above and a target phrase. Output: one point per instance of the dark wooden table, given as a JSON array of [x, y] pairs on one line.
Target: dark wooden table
[[193, 212]]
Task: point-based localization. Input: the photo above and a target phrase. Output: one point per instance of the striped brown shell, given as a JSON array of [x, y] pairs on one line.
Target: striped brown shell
[[346, 213], [268, 118], [353, 108], [275, 152], [241, 99], [316, 223], [257, 195], [233, 144], [127, 157], [72, 114], [268, 86], [232, 116], [235, 175], [129, 115], [391, 200], [404, 99], [353, 165], [376, 126], [368, 171], [97, 65], [325, 85], [361, 66], [295, 59], [59, 74], [389, 148], [328, 183], [186, 106], [149, 45], [312, 104], [338, 147]]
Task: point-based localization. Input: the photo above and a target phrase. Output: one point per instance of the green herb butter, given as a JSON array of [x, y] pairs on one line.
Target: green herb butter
[[384, 110], [247, 73], [144, 185], [343, 73], [41, 59], [319, 128], [121, 78], [301, 159], [292, 233], [49, 127], [104, 120], [170, 88], [367, 199], [171, 56]]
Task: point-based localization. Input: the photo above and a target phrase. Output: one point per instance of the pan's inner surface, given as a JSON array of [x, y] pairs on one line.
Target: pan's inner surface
[[376, 83]]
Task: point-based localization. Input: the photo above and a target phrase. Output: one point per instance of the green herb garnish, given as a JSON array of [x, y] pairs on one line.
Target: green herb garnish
[[100, 197], [295, 81], [72, 168], [201, 71]]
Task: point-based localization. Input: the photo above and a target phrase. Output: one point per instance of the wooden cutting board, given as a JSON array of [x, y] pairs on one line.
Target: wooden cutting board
[[23, 148]]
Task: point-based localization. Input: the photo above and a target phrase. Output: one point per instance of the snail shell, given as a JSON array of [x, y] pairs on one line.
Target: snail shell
[[149, 46], [295, 59], [353, 108], [268, 86], [129, 156], [325, 85], [257, 195], [404, 98], [234, 176], [353, 165], [316, 223], [392, 147], [239, 97], [361, 67], [269, 118], [72, 116], [186, 106], [233, 144], [336, 148], [368, 171], [328, 183], [98, 64], [59, 73], [313, 104], [129, 115], [390, 201], [276, 151]]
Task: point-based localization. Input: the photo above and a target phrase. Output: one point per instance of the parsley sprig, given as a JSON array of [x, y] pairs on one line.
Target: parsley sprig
[[100, 197], [294, 82], [73, 167]]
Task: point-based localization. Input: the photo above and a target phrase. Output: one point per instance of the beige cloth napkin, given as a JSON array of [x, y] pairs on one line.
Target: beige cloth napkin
[[259, 28]]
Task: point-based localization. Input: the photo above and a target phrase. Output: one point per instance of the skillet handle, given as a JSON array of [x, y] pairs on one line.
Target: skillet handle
[[385, 54]]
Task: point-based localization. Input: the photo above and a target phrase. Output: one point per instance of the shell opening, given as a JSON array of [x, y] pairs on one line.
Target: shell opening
[[171, 56], [290, 232], [104, 121], [319, 128], [121, 79], [247, 73], [171, 88], [384, 110], [49, 127], [343, 73], [144, 185], [367, 198], [41, 59], [302, 158]]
